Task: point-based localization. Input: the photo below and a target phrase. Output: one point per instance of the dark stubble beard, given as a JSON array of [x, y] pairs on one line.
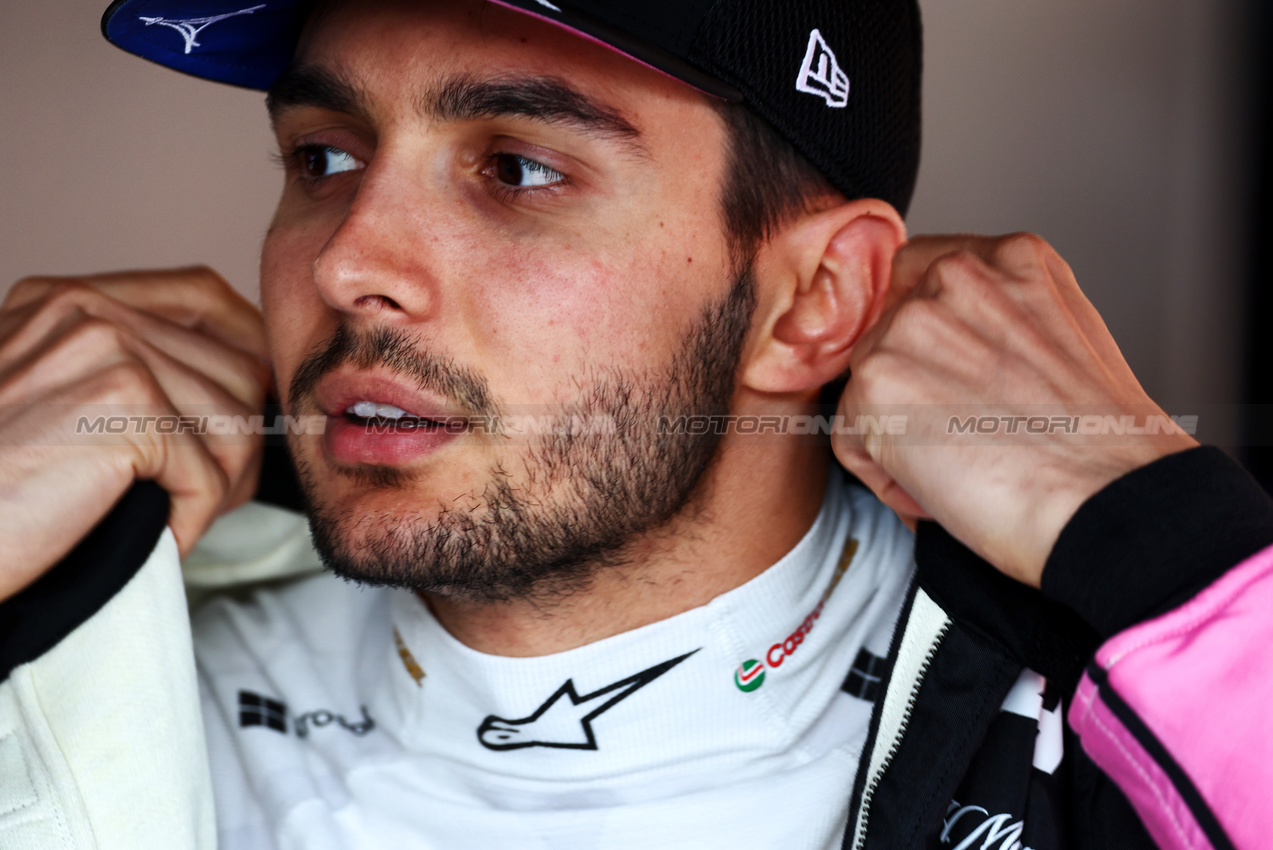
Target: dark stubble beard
[[583, 499]]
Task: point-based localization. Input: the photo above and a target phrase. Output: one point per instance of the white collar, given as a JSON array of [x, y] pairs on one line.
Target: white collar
[[676, 698]]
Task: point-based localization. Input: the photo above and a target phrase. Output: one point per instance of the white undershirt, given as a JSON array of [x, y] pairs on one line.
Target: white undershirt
[[672, 743]]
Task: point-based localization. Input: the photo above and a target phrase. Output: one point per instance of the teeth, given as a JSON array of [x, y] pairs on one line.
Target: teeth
[[371, 410]]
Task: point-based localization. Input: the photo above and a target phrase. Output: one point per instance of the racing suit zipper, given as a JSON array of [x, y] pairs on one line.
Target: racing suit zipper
[[933, 643]]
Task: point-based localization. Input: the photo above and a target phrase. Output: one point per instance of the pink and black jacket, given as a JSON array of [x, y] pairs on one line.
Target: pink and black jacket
[[1178, 709], [1154, 631]]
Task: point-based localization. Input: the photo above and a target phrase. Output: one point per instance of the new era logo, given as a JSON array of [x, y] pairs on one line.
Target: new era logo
[[821, 74]]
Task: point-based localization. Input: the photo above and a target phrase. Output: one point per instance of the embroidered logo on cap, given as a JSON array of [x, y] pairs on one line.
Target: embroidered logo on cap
[[821, 75], [191, 27]]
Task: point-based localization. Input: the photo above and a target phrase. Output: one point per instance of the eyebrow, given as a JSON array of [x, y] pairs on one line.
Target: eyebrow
[[547, 99], [313, 86], [463, 98]]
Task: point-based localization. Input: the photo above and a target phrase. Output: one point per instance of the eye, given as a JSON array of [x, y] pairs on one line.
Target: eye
[[522, 173], [319, 161]]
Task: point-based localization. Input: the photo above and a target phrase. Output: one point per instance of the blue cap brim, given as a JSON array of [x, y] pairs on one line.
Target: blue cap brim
[[250, 43], [239, 42]]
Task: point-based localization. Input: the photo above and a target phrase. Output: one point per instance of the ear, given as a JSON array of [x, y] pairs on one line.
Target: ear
[[821, 282]]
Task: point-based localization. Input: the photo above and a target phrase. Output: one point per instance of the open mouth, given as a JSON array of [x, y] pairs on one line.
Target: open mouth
[[385, 416]]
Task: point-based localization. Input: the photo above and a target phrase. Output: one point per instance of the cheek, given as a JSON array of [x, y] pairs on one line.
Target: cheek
[[295, 320], [549, 316]]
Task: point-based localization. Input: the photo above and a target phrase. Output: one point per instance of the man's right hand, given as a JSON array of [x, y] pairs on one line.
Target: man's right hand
[[167, 343]]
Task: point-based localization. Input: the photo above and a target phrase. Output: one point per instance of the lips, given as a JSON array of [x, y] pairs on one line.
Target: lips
[[342, 390], [378, 418]]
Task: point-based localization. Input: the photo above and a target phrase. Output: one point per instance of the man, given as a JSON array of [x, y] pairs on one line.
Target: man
[[507, 262]]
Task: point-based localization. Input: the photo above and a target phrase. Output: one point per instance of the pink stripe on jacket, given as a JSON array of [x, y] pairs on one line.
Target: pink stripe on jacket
[[1179, 712]]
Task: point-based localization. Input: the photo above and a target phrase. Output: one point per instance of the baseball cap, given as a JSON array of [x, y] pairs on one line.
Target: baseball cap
[[839, 79]]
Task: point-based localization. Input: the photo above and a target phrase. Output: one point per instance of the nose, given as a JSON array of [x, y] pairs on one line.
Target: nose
[[377, 265]]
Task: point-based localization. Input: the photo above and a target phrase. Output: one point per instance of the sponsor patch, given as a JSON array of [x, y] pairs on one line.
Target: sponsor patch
[[564, 720], [752, 672], [258, 710], [749, 675]]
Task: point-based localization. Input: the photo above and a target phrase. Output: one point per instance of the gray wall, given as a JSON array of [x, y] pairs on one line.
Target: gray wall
[[1115, 129], [1109, 126]]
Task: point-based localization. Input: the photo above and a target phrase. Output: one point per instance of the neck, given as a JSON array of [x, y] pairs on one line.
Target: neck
[[754, 505]]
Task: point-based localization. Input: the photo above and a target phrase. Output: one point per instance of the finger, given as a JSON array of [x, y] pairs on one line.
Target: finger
[[913, 260], [51, 468], [911, 278], [955, 291], [241, 374], [195, 479], [1055, 297], [88, 342], [196, 298], [237, 451], [872, 475]]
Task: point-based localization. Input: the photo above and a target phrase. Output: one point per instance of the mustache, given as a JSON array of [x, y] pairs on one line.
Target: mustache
[[399, 352]]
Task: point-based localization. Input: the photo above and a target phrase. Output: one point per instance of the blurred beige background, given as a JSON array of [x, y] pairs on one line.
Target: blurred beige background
[[1112, 127]]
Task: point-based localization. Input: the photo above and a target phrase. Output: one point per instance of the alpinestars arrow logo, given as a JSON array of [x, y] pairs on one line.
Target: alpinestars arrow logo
[[821, 74], [564, 721]]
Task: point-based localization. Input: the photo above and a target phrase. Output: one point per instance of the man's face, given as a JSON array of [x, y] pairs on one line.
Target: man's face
[[485, 216]]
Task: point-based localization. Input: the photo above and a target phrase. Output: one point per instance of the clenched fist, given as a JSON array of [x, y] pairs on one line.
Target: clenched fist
[[120, 346], [995, 328]]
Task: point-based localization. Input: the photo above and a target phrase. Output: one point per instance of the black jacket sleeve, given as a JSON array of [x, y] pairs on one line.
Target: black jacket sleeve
[[1156, 537]]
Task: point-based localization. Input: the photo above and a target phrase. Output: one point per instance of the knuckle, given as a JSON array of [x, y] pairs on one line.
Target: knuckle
[[1022, 249], [69, 294], [64, 289], [958, 268], [956, 261], [93, 332], [26, 285], [878, 378], [206, 279], [40, 282], [128, 381]]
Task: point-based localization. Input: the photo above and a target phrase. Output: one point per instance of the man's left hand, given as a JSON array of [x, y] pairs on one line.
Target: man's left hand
[[995, 328]]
